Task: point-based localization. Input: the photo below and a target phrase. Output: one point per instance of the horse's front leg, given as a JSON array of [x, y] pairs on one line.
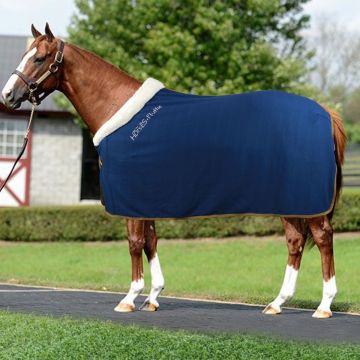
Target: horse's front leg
[[295, 232], [157, 278], [136, 238]]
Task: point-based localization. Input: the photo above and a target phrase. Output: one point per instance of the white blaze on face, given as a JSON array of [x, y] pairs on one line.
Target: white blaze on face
[[12, 80]]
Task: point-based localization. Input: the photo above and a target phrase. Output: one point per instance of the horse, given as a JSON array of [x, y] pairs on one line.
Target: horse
[[97, 89]]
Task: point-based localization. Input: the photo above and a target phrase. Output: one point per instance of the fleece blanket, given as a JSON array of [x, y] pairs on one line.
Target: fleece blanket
[[166, 154]]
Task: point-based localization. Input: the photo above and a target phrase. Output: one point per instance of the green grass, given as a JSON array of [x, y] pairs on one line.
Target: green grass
[[246, 270], [351, 190], [30, 337]]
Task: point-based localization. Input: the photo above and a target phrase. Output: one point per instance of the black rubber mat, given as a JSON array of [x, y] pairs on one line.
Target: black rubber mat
[[201, 316]]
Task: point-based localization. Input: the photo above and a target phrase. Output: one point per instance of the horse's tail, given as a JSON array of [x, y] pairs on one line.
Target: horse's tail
[[340, 142]]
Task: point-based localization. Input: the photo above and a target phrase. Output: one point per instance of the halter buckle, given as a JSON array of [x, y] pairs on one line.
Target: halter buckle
[[59, 57], [53, 68], [33, 86]]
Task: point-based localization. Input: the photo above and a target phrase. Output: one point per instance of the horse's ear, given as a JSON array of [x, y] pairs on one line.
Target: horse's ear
[[35, 32], [48, 33]]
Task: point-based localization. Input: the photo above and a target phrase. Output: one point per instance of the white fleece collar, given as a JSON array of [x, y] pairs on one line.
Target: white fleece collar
[[142, 95]]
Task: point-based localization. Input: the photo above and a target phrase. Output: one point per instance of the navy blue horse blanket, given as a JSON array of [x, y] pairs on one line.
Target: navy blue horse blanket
[[166, 154]]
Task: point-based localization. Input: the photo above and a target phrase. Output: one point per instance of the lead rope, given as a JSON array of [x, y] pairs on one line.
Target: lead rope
[[25, 141]]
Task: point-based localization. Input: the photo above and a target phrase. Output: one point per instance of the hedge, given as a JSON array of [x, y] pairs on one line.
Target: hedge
[[90, 223]]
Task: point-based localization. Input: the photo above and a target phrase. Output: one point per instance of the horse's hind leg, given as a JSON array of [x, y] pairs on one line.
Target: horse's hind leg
[[157, 278], [136, 238], [323, 236], [295, 232]]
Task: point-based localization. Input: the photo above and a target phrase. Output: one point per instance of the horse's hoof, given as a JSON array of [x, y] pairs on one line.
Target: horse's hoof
[[322, 314], [147, 306], [125, 308], [271, 310]]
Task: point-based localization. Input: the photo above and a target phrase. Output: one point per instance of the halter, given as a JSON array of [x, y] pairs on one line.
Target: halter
[[33, 84], [35, 99]]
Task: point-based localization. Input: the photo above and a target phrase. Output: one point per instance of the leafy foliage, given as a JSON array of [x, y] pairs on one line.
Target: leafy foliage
[[203, 47], [90, 223], [336, 67], [352, 132]]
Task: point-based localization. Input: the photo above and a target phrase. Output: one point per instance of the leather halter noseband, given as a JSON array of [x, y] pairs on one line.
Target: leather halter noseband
[[33, 84]]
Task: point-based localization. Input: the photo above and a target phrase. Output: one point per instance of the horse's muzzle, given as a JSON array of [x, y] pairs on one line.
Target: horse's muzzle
[[12, 99]]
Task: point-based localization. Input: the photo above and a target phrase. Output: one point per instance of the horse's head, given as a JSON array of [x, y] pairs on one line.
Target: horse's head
[[38, 72]]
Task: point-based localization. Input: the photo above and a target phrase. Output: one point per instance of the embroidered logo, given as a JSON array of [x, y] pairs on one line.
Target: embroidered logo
[[141, 125]]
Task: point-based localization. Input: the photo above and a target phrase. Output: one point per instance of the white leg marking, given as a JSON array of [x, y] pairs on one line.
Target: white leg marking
[[157, 280], [329, 292], [288, 288], [135, 290], [157, 284], [12, 80]]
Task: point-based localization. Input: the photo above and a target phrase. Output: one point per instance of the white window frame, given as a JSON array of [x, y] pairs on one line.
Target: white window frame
[[16, 128]]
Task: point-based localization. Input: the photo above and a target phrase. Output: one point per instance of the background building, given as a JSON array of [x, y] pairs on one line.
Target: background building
[[60, 163]]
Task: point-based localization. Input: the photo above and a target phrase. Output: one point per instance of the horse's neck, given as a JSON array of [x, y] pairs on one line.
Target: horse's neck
[[96, 88]]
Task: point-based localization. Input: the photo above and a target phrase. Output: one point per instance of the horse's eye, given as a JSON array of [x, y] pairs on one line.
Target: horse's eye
[[39, 60]]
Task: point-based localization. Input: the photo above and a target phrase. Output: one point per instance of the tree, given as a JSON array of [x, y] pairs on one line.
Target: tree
[[198, 46], [336, 68], [337, 58], [352, 107]]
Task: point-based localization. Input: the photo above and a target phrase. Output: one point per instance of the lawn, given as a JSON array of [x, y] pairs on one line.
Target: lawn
[[351, 190], [30, 337], [242, 269]]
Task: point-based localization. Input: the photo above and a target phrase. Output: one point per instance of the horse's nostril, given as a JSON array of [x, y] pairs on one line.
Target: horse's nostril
[[8, 96]]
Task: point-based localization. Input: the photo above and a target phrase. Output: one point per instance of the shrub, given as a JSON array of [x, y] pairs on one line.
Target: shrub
[[90, 223]]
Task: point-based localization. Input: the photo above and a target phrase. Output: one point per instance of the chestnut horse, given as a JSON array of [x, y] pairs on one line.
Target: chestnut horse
[[97, 90]]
